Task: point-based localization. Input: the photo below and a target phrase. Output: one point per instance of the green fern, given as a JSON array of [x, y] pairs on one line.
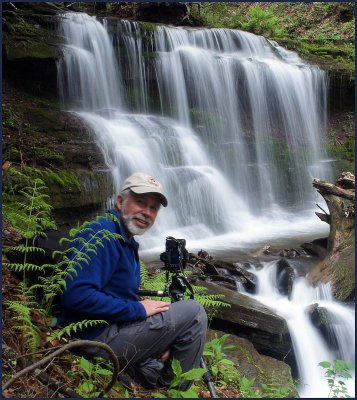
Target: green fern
[[75, 327], [161, 281], [81, 245], [30, 216], [22, 308]]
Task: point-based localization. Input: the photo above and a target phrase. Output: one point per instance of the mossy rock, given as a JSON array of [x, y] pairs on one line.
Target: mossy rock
[[73, 189], [264, 370], [25, 38]]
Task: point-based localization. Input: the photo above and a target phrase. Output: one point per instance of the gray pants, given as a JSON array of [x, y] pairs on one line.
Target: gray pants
[[139, 345]]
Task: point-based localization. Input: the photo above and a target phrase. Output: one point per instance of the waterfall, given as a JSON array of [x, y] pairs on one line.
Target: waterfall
[[310, 346], [230, 123], [233, 126]]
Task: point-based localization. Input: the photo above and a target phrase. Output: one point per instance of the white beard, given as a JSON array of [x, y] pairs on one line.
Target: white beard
[[133, 229]]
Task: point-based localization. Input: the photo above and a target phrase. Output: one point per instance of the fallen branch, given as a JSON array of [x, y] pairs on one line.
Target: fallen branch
[[71, 345], [329, 188]]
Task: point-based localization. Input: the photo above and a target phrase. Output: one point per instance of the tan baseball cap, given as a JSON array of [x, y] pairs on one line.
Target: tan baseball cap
[[140, 183]]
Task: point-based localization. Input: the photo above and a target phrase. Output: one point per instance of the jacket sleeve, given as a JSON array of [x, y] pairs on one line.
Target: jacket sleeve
[[89, 292]]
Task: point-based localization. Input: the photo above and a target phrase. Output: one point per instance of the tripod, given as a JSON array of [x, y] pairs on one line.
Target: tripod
[[177, 289]]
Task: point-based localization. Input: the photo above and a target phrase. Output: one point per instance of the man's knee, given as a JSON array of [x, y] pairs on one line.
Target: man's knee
[[190, 311]]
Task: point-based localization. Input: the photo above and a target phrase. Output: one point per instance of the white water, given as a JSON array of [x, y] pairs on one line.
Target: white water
[[232, 125], [310, 347], [234, 133]]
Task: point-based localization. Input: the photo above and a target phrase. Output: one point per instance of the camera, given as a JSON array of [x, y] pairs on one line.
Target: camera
[[175, 256]]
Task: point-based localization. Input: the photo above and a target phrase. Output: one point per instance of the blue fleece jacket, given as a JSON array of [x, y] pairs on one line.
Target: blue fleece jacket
[[107, 287]]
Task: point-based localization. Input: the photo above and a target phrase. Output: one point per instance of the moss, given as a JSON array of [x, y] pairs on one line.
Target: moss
[[344, 286], [27, 39], [66, 188], [147, 27]]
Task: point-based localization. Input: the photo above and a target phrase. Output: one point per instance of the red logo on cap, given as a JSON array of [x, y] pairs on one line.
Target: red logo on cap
[[152, 181]]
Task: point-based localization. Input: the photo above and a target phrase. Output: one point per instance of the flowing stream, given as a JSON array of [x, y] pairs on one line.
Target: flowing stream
[[310, 345], [230, 123]]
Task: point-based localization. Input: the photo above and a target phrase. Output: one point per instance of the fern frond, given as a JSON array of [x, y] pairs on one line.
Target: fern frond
[[17, 267], [22, 311], [21, 248], [74, 327]]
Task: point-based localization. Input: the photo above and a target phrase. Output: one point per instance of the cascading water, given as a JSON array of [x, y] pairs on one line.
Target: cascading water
[[310, 346], [231, 124]]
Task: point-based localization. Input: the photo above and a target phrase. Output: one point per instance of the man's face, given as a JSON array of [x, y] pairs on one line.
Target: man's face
[[139, 211]]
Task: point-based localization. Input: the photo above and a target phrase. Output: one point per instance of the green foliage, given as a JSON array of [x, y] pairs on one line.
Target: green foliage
[[336, 373], [173, 391], [270, 390], [10, 118], [74, 327], [223, 370], [161, 281], [30, 212], [30, 216], [211, 14], [246, 388], [22, 308], [342, 150], [263, 22], [92, 378]]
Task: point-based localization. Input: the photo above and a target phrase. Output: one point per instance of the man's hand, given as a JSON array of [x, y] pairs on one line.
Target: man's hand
[[154, 306]]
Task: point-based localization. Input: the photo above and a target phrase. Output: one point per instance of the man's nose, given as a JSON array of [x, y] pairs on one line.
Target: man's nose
[[146, 211]]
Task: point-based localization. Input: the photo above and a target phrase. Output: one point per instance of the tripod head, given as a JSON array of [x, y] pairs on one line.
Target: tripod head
[[175, 258], [178, 287]]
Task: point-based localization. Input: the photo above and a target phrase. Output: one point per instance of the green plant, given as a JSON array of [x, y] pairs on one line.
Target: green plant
[[263, 22], [30, 216], [246, 388], [266, 390], [192, 375], [73, 328], [91, 376], [220, 366], [22, 307], [336, 373], [161, 280]]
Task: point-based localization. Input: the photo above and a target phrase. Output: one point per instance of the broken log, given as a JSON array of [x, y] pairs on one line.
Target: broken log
[[338, 265]]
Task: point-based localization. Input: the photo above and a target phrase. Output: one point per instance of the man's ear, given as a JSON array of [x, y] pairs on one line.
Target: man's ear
[[119, 202]]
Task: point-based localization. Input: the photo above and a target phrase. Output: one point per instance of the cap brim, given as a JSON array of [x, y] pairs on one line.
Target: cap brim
[[143, 190]]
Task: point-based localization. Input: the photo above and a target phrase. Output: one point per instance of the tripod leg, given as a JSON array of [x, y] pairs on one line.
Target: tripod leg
[[208, 379]]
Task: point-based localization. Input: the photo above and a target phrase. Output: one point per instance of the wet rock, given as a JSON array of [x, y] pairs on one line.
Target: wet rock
[[320, 318], [285, 277], [315, 248], [226, 281], [247, 311], [290, 253], [255, 366], [205, 255], [249, 279]]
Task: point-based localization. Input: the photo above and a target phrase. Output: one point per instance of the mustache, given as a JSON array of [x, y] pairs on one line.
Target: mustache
[[142, 218]]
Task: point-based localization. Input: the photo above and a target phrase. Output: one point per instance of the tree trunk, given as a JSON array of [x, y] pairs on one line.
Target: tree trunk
[[338, 267]]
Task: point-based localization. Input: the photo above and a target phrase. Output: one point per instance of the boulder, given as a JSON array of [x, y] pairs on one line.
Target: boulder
[[248, 312], [285, 277], [252, 365]]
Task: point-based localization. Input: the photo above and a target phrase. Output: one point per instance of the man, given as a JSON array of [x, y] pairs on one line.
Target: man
[[144, 334]]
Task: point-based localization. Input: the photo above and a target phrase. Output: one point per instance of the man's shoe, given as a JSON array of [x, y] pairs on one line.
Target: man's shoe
[[126, 380]]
